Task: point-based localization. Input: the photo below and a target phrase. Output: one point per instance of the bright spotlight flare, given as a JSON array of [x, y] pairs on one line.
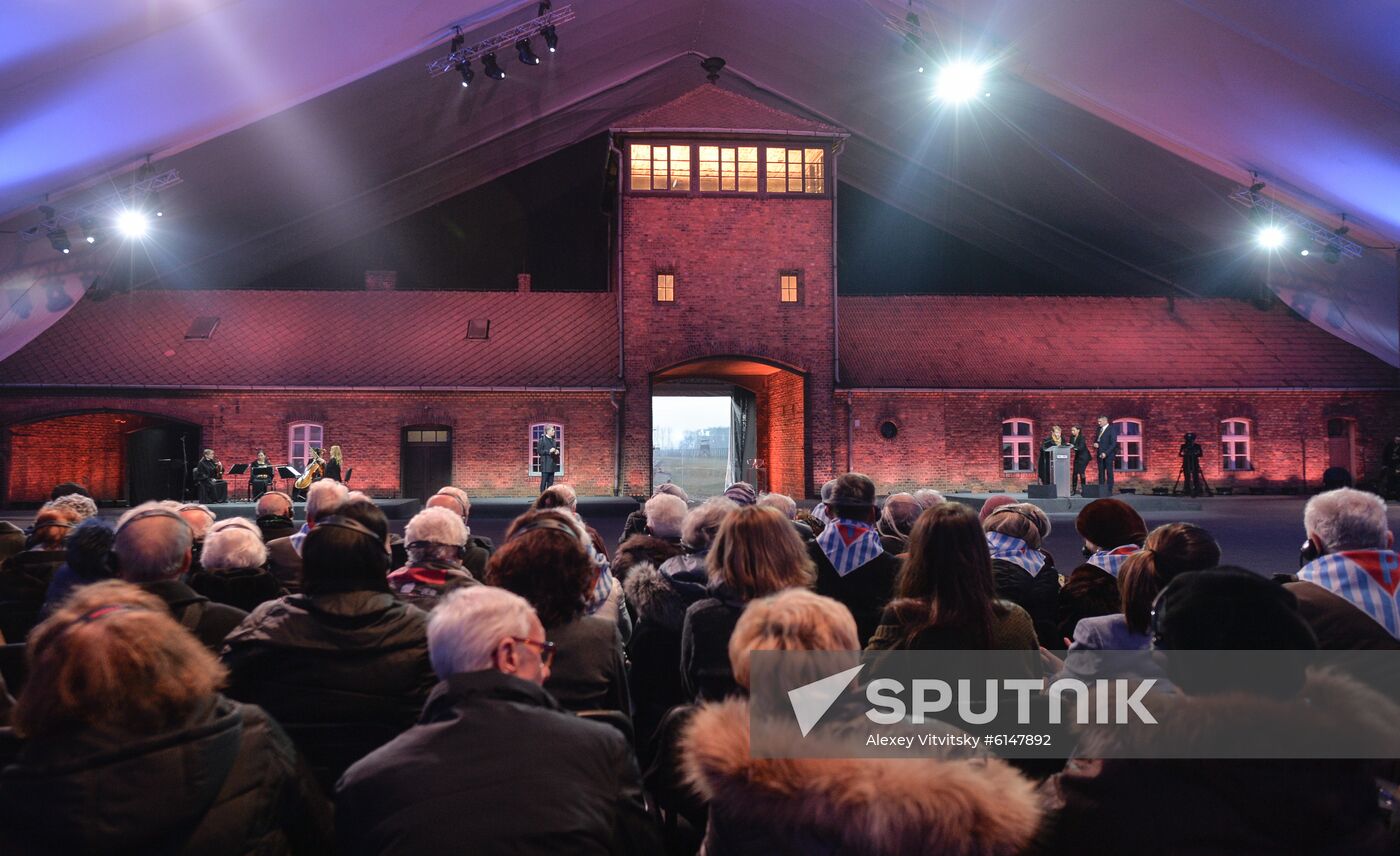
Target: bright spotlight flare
[[1272, 237], [959, 81], [133, 224]]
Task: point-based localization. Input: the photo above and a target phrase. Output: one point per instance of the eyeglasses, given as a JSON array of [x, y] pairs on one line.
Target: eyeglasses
[[544, 649]]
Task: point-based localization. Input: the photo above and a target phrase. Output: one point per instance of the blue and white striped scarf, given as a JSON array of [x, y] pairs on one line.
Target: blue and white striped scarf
[[1112, 560], [1367, 579], [299, 537], [603, 586], [849, 544], [1016, 551]]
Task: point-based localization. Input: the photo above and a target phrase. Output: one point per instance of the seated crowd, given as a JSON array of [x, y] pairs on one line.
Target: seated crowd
[[193, 685]]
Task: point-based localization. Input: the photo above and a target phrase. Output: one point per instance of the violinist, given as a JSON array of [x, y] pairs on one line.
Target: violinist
[[209, 479]]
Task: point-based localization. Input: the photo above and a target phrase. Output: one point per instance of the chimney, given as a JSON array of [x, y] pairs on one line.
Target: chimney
[[522, 283]]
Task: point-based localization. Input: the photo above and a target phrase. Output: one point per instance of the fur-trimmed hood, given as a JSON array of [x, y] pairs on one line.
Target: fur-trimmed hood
[[662, 597], [868, 806]]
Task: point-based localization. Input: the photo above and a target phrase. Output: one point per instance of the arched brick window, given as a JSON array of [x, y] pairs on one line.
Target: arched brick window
[[1129, 458], [1235, 438], [302, 438], [1016, 440]]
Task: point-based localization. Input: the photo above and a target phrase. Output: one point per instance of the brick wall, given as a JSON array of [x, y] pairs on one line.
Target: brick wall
[[726, 255], [490, 435], [952, 440], [786, 414]]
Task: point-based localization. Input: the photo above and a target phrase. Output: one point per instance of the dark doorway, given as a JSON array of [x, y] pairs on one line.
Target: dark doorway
[[426, 460], [158, 460], [1339, 443]]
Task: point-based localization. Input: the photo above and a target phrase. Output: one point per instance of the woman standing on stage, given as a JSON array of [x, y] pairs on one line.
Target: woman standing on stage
[[334, 462]]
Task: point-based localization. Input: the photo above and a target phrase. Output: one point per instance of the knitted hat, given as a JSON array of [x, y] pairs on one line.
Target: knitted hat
[[1110, 523], [993, 503], [742, 493]]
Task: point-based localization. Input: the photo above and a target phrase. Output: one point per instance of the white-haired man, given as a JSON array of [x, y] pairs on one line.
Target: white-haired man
[[494, 764], [479, 548], [153, 550], [1349, 593], [233, 566], [284, 554], [436, 540]]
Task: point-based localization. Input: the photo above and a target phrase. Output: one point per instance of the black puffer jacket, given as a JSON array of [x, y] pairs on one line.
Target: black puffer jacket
[[1038, 595], [225, 782], [359, 657], [660, 599]]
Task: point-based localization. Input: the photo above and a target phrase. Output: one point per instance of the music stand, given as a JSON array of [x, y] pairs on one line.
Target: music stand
[[238, 469]]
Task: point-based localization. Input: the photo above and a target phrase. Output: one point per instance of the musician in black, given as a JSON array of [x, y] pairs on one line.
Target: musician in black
[[1191, 453], [335, 460], [1390, 469], [1080, 446], [209, 479], [260, 474], [547, 449]]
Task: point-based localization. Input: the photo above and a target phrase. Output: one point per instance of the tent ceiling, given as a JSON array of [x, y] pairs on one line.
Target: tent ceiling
[[1115, 132]]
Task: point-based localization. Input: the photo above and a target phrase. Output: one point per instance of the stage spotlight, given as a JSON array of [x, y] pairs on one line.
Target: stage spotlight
[[133, 224], [1271, 237], [527, 56], [465, 69], [1256, 187], [93, 229], [153, 204], [1331, 254], [959, 81], [1304, 252], [551, 38], [492, 69], [58, 239]]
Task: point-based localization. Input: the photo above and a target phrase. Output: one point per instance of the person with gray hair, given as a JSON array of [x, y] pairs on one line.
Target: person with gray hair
[[820, 511], [82, 506], [897, 521], [284, 554], [659, 594], [274, 510], [479, 547], [153, 549], [787, 507], [659, 540], [665, 513], [436, 540], [233, 566], [636, 523], [927, 497], [488, 719], [1341, 590]]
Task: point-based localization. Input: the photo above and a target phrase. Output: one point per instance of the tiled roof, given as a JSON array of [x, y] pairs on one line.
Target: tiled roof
[[709, 106], [1091, 342], [320, 338]]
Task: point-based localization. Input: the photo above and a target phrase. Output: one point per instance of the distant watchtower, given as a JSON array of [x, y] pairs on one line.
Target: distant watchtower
[[728, 277]]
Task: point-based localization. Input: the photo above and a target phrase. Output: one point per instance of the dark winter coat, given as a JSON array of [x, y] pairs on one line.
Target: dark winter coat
[[274, 526], [864, 591], [588, 671], [209, 621], [243, 588], [424, 584], [225, 782], [24, 581], [868, 806], [1038, 595], [643, 548], [660, 599], [349, 657], [1088, 591], [495, 766], [705, 670], [1151, 807]]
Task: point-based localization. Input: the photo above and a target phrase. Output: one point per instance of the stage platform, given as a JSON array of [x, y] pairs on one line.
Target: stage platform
[[1143, 502], [394, 509]]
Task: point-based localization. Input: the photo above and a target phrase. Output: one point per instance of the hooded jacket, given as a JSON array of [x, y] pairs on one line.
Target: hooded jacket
[[1147, 807], [224, 782], [660, 600], [358, 656], [866, 806]]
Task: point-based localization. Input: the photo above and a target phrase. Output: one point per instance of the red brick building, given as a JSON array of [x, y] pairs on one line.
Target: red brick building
[[725, 278]]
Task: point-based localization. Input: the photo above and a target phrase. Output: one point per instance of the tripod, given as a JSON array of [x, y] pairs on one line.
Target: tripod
[[1200, 479]]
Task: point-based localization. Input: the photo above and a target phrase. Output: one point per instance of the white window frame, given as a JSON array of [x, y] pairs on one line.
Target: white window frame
[[1125, 443], [536, 432], [298, 459], [1231, 441], [1018, 441]]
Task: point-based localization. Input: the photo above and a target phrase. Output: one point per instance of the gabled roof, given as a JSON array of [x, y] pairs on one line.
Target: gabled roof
[[710, 108], [954, 342], [413, 339]]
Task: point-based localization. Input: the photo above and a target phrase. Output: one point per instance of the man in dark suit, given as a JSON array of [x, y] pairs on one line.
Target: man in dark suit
[[1105, 448], [548, 451]]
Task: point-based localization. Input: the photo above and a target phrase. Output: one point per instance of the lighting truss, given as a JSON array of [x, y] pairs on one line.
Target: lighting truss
[[503, 42], [103, 207], [1318, 232]]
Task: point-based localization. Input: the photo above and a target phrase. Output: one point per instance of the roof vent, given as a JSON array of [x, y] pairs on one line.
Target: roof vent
[[479, 328], [381, 280], [202, 329]]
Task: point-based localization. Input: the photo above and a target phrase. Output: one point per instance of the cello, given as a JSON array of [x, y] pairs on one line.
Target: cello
[[313, 472]]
